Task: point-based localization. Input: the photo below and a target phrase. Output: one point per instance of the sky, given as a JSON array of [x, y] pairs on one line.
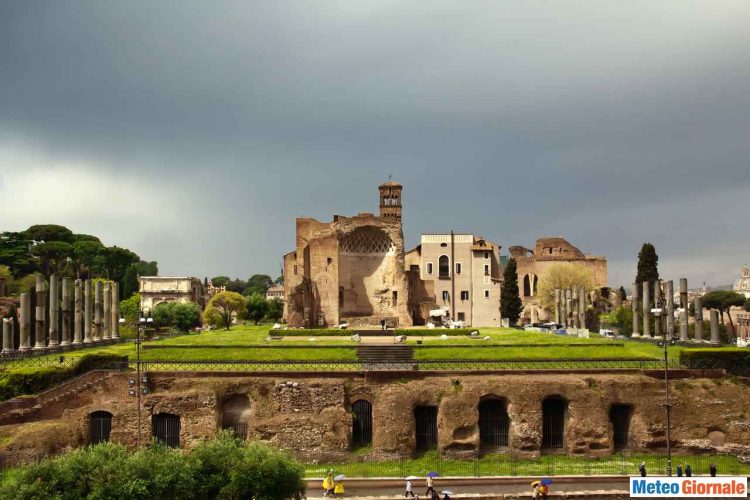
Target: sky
[[194, 132]]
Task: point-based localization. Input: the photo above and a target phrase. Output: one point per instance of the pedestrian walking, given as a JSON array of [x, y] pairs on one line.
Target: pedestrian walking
[[642, 469], [679, 470], [338, 489], [688, 471], [712, 470], [328, 484], [382, 324], [430, 489], [535, 490]]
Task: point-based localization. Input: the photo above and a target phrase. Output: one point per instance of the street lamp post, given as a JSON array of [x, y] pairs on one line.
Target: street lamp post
[[144, 319], [660, 313]]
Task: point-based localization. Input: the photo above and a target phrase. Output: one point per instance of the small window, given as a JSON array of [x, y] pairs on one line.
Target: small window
[[443, 245], [486, 294], [461, 317], [445, 296], [100, 425], [395, 298], [486, 269], [295, 269], [486, 255], [329, 261], [414, 267], [458, 268], [464, 295], [429, 268]]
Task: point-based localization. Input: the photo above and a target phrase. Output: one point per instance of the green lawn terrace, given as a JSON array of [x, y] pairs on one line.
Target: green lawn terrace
[[253, 343]]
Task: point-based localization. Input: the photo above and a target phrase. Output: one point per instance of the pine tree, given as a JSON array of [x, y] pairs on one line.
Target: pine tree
[[648, 263], [510, 301]]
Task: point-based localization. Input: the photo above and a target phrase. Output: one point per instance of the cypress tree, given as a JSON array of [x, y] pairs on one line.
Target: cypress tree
[[510, 301], [623, 294], [648, 263]]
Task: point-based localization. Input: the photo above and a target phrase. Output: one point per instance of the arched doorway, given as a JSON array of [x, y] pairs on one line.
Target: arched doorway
[[100, 426], [165, 428], [361, 423], [619, 418], [494, 423], [425, 427], [554, 412]]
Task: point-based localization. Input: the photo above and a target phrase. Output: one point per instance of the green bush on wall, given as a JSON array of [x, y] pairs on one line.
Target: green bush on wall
[[734, 361]]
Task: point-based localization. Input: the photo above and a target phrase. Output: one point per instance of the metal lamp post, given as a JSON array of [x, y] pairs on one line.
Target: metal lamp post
[[659, 312], [144, 319]]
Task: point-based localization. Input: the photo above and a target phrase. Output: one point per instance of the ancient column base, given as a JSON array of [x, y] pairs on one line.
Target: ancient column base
[[635, 336], [76, 342], [88, 341], [53, 343], [38, 347], [6, 351], [24, 349], [65, 343]]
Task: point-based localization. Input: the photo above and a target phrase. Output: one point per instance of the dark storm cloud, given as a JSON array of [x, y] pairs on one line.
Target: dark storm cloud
[[610, 124]]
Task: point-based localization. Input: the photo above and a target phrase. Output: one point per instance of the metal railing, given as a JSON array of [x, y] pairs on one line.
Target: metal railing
[[47, 351], [512, 464]]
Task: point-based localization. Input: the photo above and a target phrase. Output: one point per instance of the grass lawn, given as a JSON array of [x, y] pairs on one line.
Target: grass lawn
[[506, 465]]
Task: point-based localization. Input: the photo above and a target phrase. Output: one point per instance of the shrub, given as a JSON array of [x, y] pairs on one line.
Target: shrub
[[95, 360], [30, 380], [734, 361]]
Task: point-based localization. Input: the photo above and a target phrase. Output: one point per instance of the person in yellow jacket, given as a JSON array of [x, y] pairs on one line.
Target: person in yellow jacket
[[328, 484], [338, 488]]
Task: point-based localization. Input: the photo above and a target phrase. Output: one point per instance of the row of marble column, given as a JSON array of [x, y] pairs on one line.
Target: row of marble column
[[93, 317], [663, 291], [570, 307]]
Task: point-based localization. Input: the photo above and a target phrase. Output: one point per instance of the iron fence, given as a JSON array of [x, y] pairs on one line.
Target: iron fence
[[513, 464], [38, 362]]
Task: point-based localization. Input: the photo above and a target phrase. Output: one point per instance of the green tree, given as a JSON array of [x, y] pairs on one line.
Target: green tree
[[86, 253], [275, 310], [220, 280], [236, 285], [130, 307], [50, 232], [53, 255], [561, 276], [16, 254], [186, 316], [257, 307], [510, 300], [747, 305], [623, 294], [222, 308], [258, 283], [724, 300], [648, 265]]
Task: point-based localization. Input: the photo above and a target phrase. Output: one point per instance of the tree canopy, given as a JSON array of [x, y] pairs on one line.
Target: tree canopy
[[724, 300], [510, 300], [562, 275], [258, 283], [257, 307], [648, 265], [222, 308]]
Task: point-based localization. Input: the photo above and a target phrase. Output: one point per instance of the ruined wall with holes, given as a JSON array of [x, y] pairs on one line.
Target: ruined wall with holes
[[311, 415]]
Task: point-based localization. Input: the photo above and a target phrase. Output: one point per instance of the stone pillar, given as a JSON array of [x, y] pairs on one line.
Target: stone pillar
[[54, 304], [557, 306], [7, 335], [87, 312], [25, 319], [657, 300], [65, 312], [634, 307], [78, 313], [582, 308], [574, 307], [566, 307], [669, 292], [715, 337], [685, 306], [698, 320], [41, 313], [107, 312], [115, 323], [646, 309], [98, 297]]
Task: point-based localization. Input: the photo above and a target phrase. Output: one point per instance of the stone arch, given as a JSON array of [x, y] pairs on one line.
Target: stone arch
[[494, 423], [235, 412], [554, 420], [100, 426], [366, 240]]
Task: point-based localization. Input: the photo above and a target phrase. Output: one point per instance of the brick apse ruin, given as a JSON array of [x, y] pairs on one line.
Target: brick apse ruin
[[591, 414]]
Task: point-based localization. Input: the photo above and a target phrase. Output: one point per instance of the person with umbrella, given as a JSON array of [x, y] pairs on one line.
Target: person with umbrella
[[544, 487], [430, 479], [409, 487], [338, 485], [446, 495]]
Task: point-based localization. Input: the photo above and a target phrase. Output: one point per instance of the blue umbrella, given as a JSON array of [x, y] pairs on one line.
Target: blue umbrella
[[546, 481], [432, 473]]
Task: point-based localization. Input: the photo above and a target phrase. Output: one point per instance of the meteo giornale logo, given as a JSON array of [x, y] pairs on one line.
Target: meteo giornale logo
[[688, 487]]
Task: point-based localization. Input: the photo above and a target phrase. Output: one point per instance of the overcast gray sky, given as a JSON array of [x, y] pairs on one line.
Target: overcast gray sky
[[195, 132]]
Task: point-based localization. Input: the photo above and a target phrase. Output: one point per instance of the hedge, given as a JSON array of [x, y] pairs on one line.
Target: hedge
[[21, 381], [335, 332], [734, 361]]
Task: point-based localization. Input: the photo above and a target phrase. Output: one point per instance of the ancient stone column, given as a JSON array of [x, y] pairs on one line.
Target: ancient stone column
[[715, 337], [698, 320], [669, 292], [684, 305], [582, 308], [115, 322], [107, 312], [565, 307], [78, 313], [7, 335], [98, 298], [557, 306], [573, 308], [634, 307], [41, 313], [65, 312], [54, 303], [87, 313], [657, 300], [25, 319], [646, 309]]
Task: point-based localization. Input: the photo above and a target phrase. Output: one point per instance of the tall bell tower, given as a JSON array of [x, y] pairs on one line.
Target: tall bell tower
[[390, 200]]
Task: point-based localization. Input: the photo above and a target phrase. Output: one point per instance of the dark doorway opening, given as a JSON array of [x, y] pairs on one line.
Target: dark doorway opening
[[361, 423], [619, 417], [100, 426], [165, 428], [493, 424], [425, 420], [554, 409]]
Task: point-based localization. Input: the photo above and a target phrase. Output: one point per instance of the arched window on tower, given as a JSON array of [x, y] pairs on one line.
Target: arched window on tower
[[444, 267]]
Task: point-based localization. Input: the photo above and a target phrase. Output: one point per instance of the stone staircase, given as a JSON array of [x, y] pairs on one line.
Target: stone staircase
[[384, 357]]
